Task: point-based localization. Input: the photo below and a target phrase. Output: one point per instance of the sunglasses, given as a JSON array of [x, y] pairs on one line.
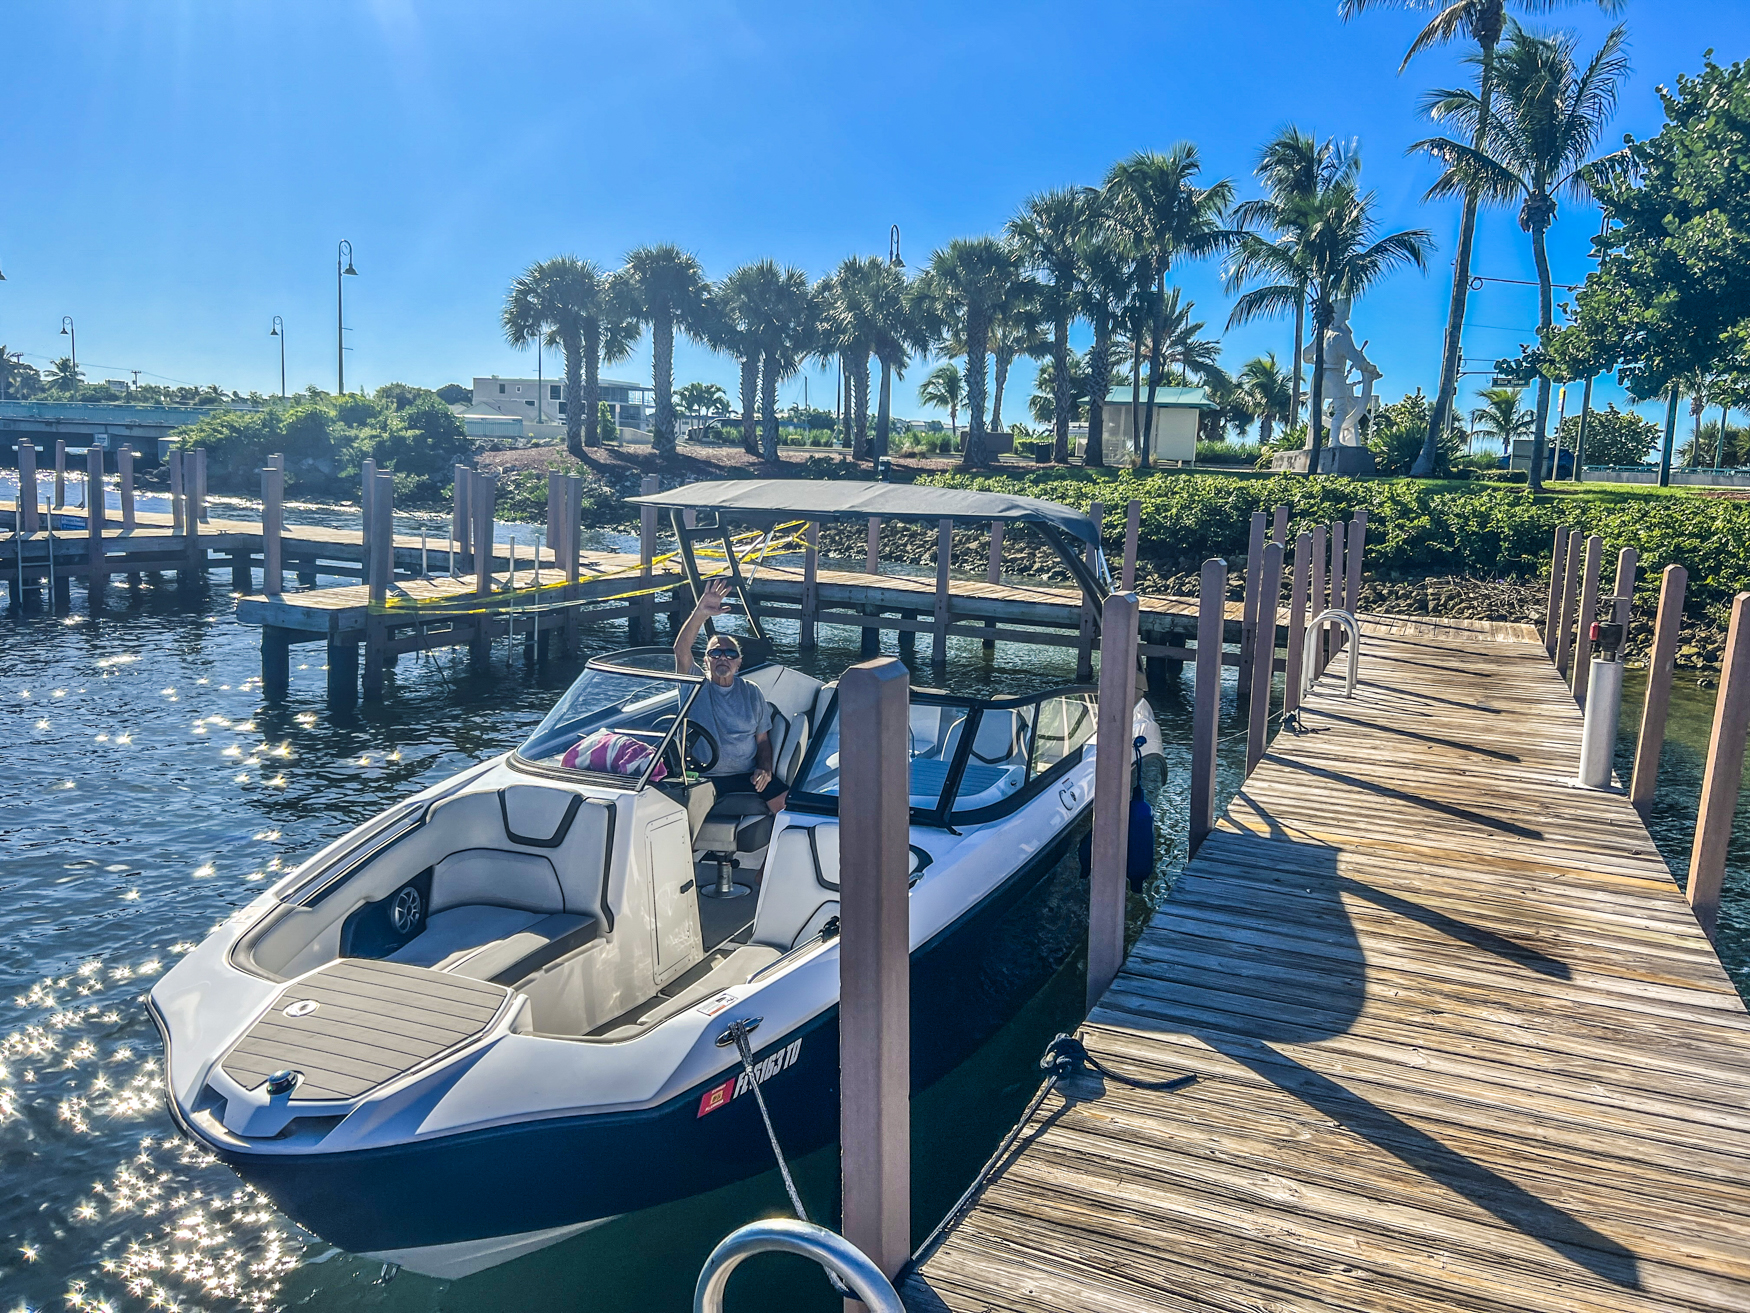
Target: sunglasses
[[722, 654]]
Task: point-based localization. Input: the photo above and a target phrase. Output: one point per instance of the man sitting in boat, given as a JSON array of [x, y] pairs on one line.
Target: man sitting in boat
[[733, 710]]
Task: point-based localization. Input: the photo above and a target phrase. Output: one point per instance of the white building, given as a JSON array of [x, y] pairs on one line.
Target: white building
[[546, 399], [1173, 435]]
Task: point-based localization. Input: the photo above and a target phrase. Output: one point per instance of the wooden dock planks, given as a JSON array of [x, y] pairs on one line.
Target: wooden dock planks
[[1458, 1039]]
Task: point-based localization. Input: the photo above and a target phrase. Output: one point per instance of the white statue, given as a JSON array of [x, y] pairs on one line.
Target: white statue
[[1341, 352]]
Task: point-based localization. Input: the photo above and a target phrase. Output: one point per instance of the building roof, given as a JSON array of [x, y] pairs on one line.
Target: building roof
[[829, 499], [1193, 398]]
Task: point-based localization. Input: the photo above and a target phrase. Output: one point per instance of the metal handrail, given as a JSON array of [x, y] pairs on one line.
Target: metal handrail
[[1309, 650], [785, 1236]]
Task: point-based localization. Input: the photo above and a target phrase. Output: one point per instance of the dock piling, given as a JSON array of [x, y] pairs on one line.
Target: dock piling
[[1300, 589], [1354, 555], [459, 518], [646, 613], [1085, 632], [29, 495], [1110, 846], [1334, 593], [1558, 565], [1568, 599], [273, 494], [1132, 532], [942, 611], [810, 586], [96, 580], [1269, 600], [1206, 713], [994, 574], [124, 469], [380, 564], [178, 511], [482, 496], [1315, 600], [276, 661], [872, 552], [1725, 770], [1249, 624], [1279, 526], [875, 963], [1589, 572], [60, 474], [200, 484]]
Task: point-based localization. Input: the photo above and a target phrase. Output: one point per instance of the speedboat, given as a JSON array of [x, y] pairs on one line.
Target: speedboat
[[500, 1012]]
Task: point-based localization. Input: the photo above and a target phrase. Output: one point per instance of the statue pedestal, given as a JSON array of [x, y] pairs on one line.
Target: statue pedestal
[[1332, 460]]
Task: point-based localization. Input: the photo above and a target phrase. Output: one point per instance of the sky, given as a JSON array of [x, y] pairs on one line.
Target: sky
[[180, 172]]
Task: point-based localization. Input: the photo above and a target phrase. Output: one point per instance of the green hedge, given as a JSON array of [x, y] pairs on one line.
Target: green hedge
[[1414, 529]]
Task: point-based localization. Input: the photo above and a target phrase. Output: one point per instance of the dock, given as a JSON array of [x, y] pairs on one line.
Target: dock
[[1457, 1040]]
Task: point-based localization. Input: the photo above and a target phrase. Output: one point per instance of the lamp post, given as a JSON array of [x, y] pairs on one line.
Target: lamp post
[[540, 408], [279, 330], [72, 337], [342, 267], [893, 248]]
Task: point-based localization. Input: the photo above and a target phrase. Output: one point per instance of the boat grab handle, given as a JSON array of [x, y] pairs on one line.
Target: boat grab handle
[[1309, 650], [785, 1236]]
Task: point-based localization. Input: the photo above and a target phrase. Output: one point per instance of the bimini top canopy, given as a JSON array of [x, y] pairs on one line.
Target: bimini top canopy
[[757, 500]]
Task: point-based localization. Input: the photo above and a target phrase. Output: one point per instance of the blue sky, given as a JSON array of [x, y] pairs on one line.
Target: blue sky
[[179, 172]]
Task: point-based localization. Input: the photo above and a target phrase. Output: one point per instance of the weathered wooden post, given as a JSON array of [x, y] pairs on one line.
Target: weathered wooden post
[[872, 552], [1558, 566], [1305, 561], [178, 503], [1354, 554], [1085, 634], [273, 500], [482, 496], [555, 522], [96, 580], [1589, 572], [1206, 714], [994, 574], [810, 585], [380, 554], [1249, 619], [942, 611], [1654, 710], [29, 495], [875, 962], [200, 484], [1270, 596], [1110, 847], [1725, 771], [1333, 591], [1315, 597], [1279, 526], [124, 470], [1132, 533], [460, 518], [573, 553], [60, 474], [1569, 597], [645, 611]]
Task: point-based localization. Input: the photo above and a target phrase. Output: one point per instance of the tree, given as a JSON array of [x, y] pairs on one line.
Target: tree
[[849, 328], [1017, 330], [779, 309], [968, 283], [1502, 418], [664, 287], [1166, 217], [1049, 233], [894, 334], [1294, 167], [65, 376], [944, 389], [1266, 393], [728, 328], [1482, 21], [1613, 437], [454, 394], [1535, 147], [1107, 280], [566, 302], [1042, 405], [697, 399], [18, 381], [1334, 254]]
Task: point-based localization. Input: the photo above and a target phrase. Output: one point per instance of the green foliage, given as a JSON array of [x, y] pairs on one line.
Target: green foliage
[[1613, 437], [1227, 453], [605, 426], [325, 441], [522, 496], [1398, 433], [1414, 527], [454, 394]]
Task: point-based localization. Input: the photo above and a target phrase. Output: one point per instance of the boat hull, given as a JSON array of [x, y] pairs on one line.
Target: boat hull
[[559, 1172]]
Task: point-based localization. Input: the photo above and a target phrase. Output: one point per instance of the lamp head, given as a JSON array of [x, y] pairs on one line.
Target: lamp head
[[349, 269], [2, 278]]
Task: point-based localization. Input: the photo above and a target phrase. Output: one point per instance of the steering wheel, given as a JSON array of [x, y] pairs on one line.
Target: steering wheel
[[697, 738]]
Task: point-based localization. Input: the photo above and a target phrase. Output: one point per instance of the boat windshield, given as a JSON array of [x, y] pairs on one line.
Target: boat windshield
[[613, 723]]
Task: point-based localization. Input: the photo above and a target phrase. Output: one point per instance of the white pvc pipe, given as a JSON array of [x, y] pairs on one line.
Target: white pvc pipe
[[1603, 710]]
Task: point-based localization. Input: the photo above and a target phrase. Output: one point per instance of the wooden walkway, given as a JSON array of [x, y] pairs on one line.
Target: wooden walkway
[[1458, 1040]]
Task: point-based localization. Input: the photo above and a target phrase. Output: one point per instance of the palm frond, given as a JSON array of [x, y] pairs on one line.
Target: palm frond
[[1266, 303], [1468, 168]]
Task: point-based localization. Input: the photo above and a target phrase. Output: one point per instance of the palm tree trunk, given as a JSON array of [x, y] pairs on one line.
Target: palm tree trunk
[[844, 401], [572, 341], [1004, 358], [1440, 420], [750, 402], [884, 411], [1720, 446], [1315, 411], [860, 405], [662, 377], [1099, 376], [1545, 316], [975, 456], [1154, 372], [1135, 396], [592, 382], [769, 411], [1299, 334], [1060, 388]]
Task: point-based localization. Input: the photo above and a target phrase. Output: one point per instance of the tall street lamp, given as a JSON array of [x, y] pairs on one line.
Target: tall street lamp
[[893, 248], [279, 330], [72, 345], [342, 267]]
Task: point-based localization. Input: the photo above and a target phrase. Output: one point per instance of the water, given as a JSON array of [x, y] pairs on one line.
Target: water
[[148, 791]]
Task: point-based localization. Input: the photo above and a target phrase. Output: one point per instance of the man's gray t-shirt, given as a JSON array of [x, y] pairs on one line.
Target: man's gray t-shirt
[[735, 716]]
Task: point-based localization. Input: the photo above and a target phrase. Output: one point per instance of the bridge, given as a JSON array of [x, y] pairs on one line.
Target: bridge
[[100, 424]]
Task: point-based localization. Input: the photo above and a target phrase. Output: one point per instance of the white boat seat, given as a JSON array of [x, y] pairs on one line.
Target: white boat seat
[[737, 822], [497, 944], [498, 878]]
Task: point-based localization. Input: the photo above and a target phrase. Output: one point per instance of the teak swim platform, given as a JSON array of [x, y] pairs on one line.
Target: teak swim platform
[[1457, 1040]]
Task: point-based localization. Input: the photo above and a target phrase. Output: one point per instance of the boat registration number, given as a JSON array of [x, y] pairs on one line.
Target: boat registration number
[[737, 1085]]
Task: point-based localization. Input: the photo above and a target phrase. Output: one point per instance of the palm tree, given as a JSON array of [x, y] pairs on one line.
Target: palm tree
[[1049, 233], [1336, 256], [65, 376], [1042, 405], [849, 324], [1017, 330], [944, 389], [893, 336], [564, 302], [1267, 394], [1166, 217], [697, 399], [969, 282], [1294, 167], [1551, 114], [781, 316], [1500, 417], [728, 329], [1482, 21], [665, 288], [1106, 280], [12, 369]]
